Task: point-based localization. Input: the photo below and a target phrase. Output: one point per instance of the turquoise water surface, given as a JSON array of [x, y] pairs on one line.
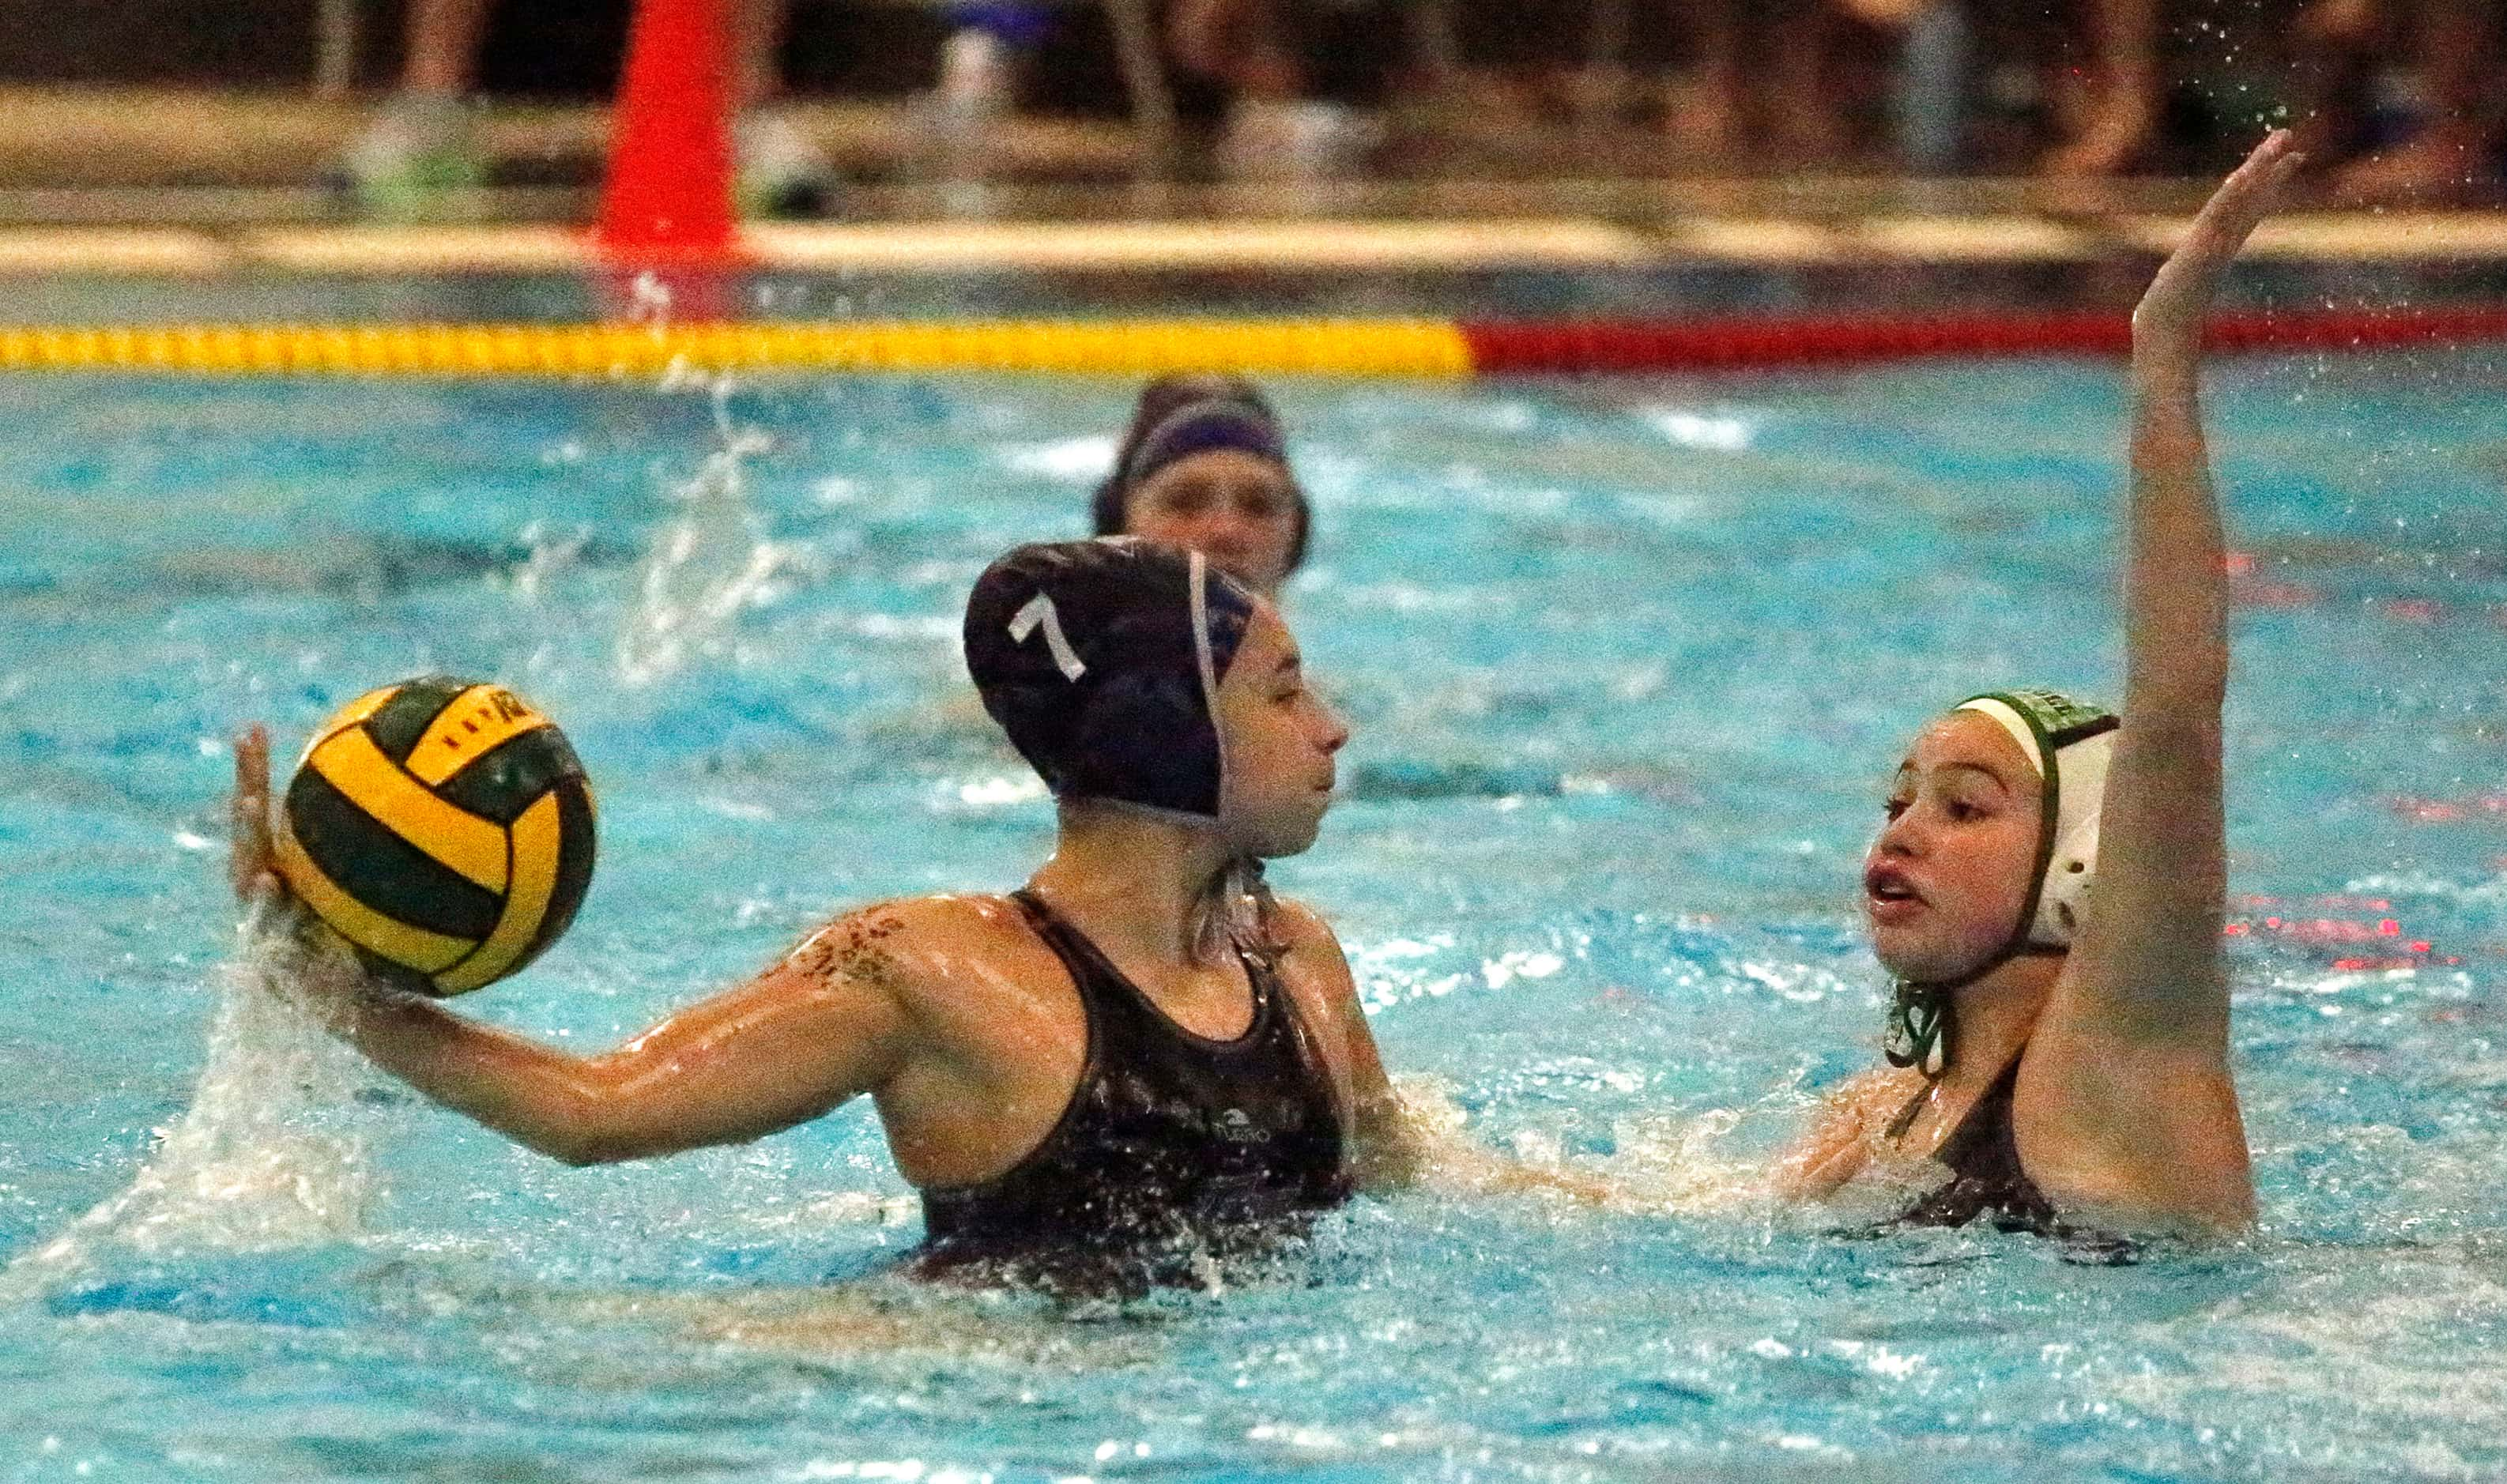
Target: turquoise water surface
[[1627, 664]]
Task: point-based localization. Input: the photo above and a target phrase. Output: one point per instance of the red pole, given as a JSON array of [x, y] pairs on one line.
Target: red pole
[[668, 195]]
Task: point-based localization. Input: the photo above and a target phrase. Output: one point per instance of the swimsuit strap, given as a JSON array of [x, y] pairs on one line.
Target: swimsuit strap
[[1989, 1181], [1987, 1120], [1090, 969]]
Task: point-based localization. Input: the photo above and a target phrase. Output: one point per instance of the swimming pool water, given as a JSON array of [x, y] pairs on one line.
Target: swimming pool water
[[1626, 662]]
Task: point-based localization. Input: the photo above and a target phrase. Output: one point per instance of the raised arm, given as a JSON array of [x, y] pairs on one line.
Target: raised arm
[[2125, 1098], [814, 1031]]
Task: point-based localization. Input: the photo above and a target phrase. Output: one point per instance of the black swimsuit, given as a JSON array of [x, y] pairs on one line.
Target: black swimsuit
[[1983, 1155], [1988, 1179], [1176, 1156]]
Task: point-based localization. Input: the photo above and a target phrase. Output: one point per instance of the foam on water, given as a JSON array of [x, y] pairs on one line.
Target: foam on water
[[253, 1164]]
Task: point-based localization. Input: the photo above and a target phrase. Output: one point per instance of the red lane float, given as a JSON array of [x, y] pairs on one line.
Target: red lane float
[[1606, 346]]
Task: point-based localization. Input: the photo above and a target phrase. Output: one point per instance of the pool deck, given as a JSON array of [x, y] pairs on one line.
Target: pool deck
[[193, 184], [1329, 243]]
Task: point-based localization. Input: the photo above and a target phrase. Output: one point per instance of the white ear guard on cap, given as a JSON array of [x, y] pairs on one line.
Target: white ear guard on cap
[[2069, 745]]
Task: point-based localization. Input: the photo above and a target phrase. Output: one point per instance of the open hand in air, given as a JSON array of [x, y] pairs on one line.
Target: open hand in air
[[2171, 310]]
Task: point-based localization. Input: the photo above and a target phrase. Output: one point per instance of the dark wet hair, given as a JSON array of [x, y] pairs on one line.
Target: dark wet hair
[[1179, 415]]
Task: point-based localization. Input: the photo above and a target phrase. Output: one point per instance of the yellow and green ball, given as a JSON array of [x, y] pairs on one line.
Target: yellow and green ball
[[443, 828]]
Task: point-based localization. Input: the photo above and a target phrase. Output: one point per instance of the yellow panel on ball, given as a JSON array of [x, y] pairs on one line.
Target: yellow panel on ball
[[479, 720], [537, 848], [443, 827]]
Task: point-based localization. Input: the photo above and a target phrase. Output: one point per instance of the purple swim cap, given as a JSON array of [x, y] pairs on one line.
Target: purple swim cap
[[1181, 416]]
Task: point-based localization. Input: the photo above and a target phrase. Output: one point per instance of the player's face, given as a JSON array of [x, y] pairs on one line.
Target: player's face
[[1946, 880], [1237, 510], [1278, 739]]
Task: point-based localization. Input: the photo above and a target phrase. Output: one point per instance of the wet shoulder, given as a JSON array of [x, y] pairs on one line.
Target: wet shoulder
[[1314, 973], [917, 946], [1304, 933], [1877, 1092]]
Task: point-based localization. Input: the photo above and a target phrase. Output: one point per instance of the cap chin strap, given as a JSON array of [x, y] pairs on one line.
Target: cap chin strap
[[1923, 1025], [1146, 810], [1205, 666]]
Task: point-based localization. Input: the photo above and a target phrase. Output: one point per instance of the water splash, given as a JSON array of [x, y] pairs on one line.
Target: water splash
[[649, 303], [1707, 1164], [553, 555], [1688, 1165], [710, 561], [249, 1166]]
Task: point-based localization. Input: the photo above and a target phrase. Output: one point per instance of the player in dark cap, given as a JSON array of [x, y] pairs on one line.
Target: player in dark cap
[[1138, 1066], [1204, 467]]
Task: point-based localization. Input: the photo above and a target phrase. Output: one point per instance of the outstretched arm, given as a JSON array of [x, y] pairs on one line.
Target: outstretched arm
[[2125, 1098], [1394, 1147], [1384, 1155], [807, 1034], [2152, 961]]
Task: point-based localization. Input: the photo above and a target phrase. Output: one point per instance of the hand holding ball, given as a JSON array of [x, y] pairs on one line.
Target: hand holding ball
[[443, 828]]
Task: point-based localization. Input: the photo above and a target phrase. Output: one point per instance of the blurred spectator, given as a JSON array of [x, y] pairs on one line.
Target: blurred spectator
[[1278, 123], [2411, 82], [2404, 85], [418, 154], [1759, 82], [1799, 84], [2105, 110], [2111, 116]]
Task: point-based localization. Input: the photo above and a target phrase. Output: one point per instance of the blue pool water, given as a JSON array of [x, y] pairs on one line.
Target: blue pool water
[[1627, 664]]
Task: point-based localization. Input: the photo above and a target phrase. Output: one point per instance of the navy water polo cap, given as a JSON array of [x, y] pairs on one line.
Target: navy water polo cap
[[1101, 660], [1178, 416]]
